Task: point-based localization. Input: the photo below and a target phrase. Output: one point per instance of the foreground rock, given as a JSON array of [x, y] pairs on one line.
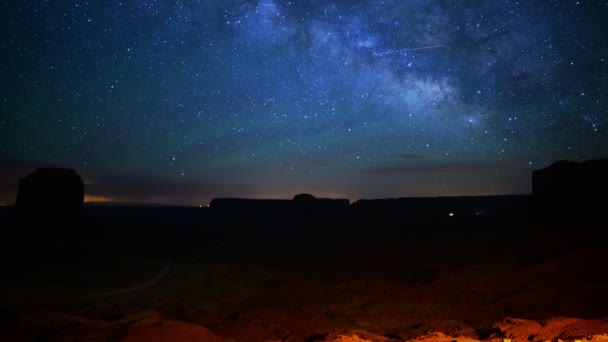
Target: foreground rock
[[144, 326], [152, 326]]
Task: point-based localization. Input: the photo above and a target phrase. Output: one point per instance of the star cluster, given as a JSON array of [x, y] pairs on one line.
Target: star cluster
[[182, 101]]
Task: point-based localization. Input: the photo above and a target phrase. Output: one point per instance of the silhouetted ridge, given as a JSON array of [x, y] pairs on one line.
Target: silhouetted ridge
[[570, 189], [428, 209], [241, 204], [299, 202], [567, 179], [306, 202], [303, 210], [51, 192]]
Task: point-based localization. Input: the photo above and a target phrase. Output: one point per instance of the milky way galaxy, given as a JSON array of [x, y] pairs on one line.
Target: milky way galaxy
[[183, 101]]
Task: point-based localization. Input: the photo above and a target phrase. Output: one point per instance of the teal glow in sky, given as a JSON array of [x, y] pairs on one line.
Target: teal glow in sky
[[183, 101]]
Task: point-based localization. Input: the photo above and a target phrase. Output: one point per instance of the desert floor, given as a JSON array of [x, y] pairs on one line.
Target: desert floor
[[523, 283]]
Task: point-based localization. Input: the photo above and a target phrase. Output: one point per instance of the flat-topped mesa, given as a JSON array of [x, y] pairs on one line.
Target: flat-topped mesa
[[571, 180], [570, 189], [51, 192], [299, 202], [302, 207], [305, 202]]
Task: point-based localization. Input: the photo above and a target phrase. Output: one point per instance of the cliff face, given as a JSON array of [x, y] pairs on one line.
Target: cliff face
[[568, 189], [51, 192], [571, 180]]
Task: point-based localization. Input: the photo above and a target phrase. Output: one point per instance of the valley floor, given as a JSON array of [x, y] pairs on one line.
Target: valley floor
[[519, 283]]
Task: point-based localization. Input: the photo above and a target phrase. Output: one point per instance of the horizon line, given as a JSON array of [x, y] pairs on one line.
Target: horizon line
[[207, 205]]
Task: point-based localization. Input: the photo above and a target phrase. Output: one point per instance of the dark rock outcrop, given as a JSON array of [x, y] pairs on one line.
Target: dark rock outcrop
[[570, 180], [305, 202], [51, 193], [299, 202], [334, 203], [569, 189], [304, 211]]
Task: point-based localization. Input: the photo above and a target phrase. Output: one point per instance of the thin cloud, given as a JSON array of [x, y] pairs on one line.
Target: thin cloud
[[10, 168], [139, 188], [408, 156], [446, 167], [316, 163], [123, 187]]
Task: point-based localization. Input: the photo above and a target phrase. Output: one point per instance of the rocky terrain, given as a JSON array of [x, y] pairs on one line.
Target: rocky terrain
[[513, 283]]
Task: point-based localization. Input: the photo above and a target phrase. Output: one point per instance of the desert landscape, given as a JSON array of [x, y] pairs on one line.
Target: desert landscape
[[304, 171], [361, 272]]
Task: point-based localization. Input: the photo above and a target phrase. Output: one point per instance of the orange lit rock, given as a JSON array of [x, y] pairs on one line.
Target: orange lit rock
[[171, 331]]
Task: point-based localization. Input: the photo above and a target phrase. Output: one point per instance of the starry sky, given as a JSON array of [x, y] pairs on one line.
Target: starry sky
[[183, 101]]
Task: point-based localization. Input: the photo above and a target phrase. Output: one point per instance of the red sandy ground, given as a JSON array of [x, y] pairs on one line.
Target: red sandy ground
[[491, 287]]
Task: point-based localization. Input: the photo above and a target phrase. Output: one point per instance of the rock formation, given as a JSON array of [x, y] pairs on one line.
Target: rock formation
[[570, 189], [51, 192], [305, 202], [567, 179]]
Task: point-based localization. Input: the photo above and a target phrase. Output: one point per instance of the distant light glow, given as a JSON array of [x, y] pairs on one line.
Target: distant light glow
[[98, 199]]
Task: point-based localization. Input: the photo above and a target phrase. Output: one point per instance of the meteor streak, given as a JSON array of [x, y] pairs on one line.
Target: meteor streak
[[390, 52]]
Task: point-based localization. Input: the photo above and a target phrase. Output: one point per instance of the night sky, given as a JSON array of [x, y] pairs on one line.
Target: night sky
[[183, 101]]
